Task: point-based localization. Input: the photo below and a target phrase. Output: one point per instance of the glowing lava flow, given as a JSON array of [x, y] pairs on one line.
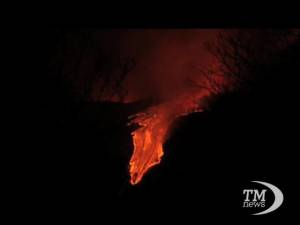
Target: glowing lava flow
[[149, 138], [148, 142]]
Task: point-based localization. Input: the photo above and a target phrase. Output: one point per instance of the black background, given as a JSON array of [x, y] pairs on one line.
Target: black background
[[76, 161]]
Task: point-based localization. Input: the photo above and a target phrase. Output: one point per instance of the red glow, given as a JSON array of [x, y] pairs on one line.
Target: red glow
[[169, 68], [154, 124]]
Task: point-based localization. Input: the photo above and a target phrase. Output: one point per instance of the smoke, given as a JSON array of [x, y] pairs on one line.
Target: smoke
[[165, 60]]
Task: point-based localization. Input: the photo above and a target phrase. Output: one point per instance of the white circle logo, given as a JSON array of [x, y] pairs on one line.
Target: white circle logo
[[257, 199]]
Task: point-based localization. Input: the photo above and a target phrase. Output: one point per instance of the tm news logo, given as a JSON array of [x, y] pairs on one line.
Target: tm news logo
[[255, 198]]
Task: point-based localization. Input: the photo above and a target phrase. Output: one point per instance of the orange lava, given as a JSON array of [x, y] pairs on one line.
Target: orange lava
[[154, 124]]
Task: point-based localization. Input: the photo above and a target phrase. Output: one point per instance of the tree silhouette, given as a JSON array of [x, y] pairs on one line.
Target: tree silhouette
[[245, 54], [81, 60]]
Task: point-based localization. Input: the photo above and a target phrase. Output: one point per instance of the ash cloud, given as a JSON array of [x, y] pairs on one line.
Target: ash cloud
[[164, 60]]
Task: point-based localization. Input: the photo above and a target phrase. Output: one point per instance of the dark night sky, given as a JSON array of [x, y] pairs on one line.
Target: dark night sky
[[162, 57]]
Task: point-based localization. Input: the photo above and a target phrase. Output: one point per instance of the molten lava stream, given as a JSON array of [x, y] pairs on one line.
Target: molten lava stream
[[154, 124], [148, 143]]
